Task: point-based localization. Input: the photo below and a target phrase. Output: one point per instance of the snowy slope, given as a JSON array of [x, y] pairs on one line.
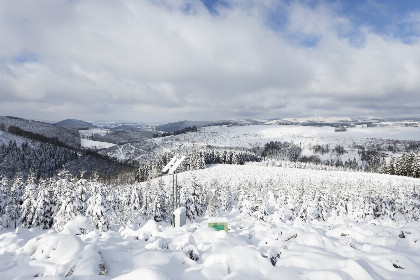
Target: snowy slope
[[6, 138], [66, 136]]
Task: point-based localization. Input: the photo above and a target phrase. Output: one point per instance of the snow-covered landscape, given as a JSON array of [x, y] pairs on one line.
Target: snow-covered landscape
[[283, 223], [210, 139], [287, 218], [304, 137]]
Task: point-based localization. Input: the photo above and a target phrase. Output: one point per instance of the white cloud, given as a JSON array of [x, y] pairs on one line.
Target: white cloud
[[171, 60]]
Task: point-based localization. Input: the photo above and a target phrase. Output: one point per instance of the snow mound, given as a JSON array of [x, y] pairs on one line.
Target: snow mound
[[159, 244], [52, 255], [144, 273], [77, 226], [333, 249], [151, 228]]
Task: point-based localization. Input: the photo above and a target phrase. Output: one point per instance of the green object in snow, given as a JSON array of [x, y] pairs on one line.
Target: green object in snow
[[219, 226]]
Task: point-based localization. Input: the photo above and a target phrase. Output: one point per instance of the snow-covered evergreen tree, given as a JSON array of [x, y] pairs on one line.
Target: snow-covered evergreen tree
[[193, 199], [134, 202], [97, 208], [146, 208], [161, 203], [69, 200], [28, 207], [81, 195], [7, 218], [214, 197], [16, 198], [45, 207], [5, 198]]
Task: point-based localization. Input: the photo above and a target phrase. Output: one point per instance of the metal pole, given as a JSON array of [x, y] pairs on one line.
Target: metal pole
[[176, 190], [173, 200]]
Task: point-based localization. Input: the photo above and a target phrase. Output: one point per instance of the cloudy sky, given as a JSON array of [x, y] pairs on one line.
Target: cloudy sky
[[169, 60]]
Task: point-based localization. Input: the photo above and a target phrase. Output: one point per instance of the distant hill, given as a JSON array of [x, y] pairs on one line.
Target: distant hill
[[175, 126], [40, 131], [45, 149], [75, 124]]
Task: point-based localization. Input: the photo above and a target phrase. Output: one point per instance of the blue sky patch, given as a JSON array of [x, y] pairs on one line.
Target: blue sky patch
[[25, 57], [213, 5]]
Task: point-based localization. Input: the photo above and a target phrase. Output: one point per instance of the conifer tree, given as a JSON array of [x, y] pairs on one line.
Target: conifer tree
[[81, 196], [5, 198], [7, 218], [146, 208], [160, 204], [213, 206], [28, 206], [69, 202], [97, 208], [16, 198], [45, 207]]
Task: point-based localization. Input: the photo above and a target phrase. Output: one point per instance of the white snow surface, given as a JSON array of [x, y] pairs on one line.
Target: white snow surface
[[248, 136], [95, 144], [337, 249]]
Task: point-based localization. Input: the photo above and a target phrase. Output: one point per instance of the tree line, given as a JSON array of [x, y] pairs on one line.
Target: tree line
[[176, 132]]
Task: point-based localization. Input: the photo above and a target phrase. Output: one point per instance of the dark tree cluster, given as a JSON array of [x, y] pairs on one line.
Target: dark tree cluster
[[177, 132], [349, 164], [371, 159], [36, 137], [406, 165], [92, 163], [220, 156], [281, 151], [412, 146], [321, 149], [44, 159], [121, 137], [339, 150], [40, 131]]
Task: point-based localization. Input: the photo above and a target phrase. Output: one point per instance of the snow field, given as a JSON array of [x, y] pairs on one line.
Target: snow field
[[337, 249], [248, 136], [95, 144], [305, 137]]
